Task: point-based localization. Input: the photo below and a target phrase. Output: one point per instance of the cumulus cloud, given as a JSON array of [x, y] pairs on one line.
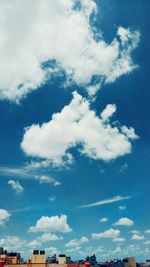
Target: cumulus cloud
[[147, 231], [74, 249], [119, 239], [34, 243], [49, 237], [33, 165], [123, 252], [52, 251], [136, 232], [51, 224], [76, 242], [103, 219], [137, 237], [111, 233], [15, 242], [78, 125], [108, 112], [46, 237], [124, 222], [56, 37], [4, 216], [16, 186], [146, 242], [12, 242]]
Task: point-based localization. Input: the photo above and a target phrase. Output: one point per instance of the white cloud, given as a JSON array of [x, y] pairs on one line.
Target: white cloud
[[111, 233], [136, 232], [105, 201], [52, 199], [16, 186], [122, 207], [96, 250], [76, 242], [34, 244], [49, 237], [145, 252], [123, 167], [11, 171], [123, 252], [47, 179], [123, 34], [17, 243], [12, 242], [27, 173], [51, 224], [52, 251], [147, 231], [124, 222], [103, 219], [4, 216], [137, 237], [33, 165], [46, 237], [21, 210], [78, 124], [54, 30], [119, 239], [146, 242], [108, 112], [72, 250], [112, 253]]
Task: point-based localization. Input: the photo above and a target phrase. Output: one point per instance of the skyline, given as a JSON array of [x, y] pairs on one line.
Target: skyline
[[74, 139]]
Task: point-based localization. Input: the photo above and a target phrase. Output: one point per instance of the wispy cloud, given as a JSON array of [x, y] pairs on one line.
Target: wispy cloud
[[20, 210], [52, 199], [15, 171], [123, 167], [103, 220], [16, 186], [105, 201], [122, 207], [22, 172]]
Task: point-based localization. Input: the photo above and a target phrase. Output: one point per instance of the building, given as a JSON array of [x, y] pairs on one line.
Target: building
[[9, 257], [145, 264], [63, 259], [38, 257], [129, 262]]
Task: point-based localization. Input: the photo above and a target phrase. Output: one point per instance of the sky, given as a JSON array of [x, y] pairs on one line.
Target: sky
[[74, 139]]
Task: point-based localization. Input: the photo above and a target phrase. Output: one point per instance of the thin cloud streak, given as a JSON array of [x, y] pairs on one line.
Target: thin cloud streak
[[17, 171], [20, 210], [23, 173], [105, 201]]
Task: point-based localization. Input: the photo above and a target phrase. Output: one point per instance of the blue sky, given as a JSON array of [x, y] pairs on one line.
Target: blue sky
[[74, 139]]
